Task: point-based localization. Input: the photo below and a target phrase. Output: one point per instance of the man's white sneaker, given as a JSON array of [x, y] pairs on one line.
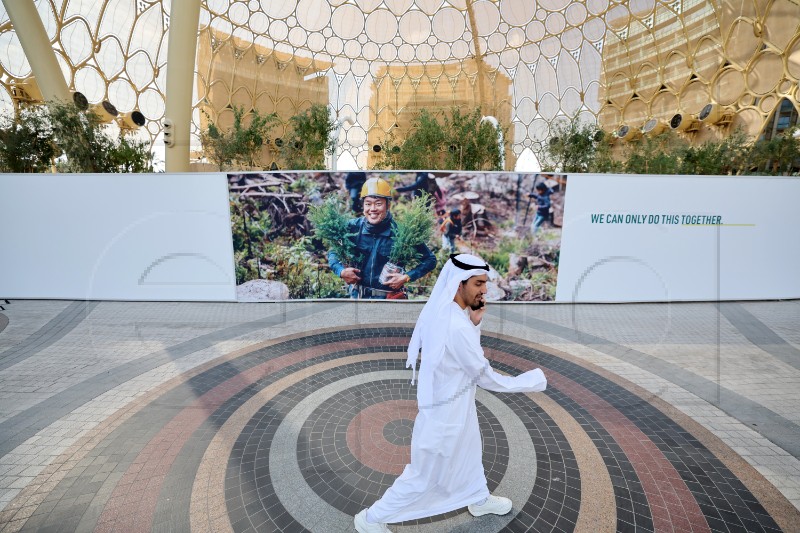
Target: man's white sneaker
[[492, 505], [362, 526]]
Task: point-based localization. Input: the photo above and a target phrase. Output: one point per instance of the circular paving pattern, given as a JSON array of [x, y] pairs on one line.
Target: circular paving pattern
[[398, 432], [301, 433]]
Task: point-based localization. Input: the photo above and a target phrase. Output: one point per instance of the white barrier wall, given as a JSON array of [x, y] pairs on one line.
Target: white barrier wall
[[625, 238], [670, 238], [121, 237]]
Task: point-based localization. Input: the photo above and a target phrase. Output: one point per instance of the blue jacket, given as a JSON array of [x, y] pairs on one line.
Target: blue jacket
[[542, 202], [374, 249], [421, 185]]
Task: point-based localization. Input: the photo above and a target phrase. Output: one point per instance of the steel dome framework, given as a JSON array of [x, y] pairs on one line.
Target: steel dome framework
[[375, 62]]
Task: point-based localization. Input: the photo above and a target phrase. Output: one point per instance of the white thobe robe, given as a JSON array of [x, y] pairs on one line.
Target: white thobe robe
[[446, 470]]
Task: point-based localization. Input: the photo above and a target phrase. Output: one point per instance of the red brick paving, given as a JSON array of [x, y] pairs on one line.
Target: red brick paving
[[670, 501], [366, 440], [669, 498], [147, 473]]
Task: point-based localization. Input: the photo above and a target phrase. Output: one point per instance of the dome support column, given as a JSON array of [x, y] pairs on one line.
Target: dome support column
[[481, 67], [181, 57], [38, 50]]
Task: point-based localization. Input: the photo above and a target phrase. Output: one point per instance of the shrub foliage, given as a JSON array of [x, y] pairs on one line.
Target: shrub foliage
[[450, 141], [62, 137], [579, 147]]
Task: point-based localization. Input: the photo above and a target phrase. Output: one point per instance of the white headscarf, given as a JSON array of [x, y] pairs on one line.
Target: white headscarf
[[433, 325]]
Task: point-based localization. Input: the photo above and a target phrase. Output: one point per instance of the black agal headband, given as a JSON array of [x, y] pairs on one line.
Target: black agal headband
[[465, 266]]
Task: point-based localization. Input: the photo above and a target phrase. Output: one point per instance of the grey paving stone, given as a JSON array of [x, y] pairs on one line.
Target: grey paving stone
[[776, 428], [760, 334], [734, 367], [48, 334], [15, 430]]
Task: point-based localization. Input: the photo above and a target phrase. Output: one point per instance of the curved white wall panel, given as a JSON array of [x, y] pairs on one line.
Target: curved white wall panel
[[118, 237], [677, 238]]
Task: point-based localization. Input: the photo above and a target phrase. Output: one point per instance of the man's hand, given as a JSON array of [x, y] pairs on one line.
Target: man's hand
[[396, 281], [476, 315], [351, 275]]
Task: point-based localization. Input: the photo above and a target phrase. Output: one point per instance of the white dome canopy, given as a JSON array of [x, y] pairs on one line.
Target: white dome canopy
[[530, 63]]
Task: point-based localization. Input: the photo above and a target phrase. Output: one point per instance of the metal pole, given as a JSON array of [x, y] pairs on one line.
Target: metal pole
[[38, 50], [473, 25], [533, 188], [184, 21]]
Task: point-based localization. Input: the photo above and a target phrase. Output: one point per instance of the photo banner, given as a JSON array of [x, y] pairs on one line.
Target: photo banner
[[630, 238], [282, 250], [251, 237]]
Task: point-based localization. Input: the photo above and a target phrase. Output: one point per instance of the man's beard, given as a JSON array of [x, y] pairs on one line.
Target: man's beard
[[478, 304]]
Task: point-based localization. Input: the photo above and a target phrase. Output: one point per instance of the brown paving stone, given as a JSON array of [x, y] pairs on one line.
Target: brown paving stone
[[167, 444], [634, 443], [77, 451], [661, 478], [219, 449], [778, 507], [597, 507], [366, 440]]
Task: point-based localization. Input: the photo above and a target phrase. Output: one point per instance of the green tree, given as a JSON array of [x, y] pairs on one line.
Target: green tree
[[577, 147], [249, 228], [308, 140], [389, 158], [573, 146], [779, 155], [295, 265], [79, 135], [660, 154], [604, 160], [414, 223], [459, 141], [472, 144], [130, 155], [422, 148], [329, 221], [727, 156], [26, 141], [241, 145], [85, 145]]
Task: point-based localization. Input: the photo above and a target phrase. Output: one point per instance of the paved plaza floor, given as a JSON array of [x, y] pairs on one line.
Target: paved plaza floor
[[126, 416]]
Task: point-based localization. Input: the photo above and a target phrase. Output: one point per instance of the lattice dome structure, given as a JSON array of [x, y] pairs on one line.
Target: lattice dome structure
[[528, 63]]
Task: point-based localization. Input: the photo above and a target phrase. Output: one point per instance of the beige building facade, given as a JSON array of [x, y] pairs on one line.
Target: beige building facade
[[237, 74], [400, 93], [719, 66]]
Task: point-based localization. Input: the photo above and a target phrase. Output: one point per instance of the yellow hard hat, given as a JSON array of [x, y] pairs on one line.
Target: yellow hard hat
[[376, 187]]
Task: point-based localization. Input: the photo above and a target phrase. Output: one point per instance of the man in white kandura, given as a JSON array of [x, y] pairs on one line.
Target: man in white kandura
[[446, 470]]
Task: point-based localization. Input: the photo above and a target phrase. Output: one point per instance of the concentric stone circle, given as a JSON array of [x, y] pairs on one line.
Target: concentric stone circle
[[398, 432], [301, 433]]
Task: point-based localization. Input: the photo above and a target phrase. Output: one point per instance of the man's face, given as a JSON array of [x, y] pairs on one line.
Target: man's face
[[473, 291], [375, 209]]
